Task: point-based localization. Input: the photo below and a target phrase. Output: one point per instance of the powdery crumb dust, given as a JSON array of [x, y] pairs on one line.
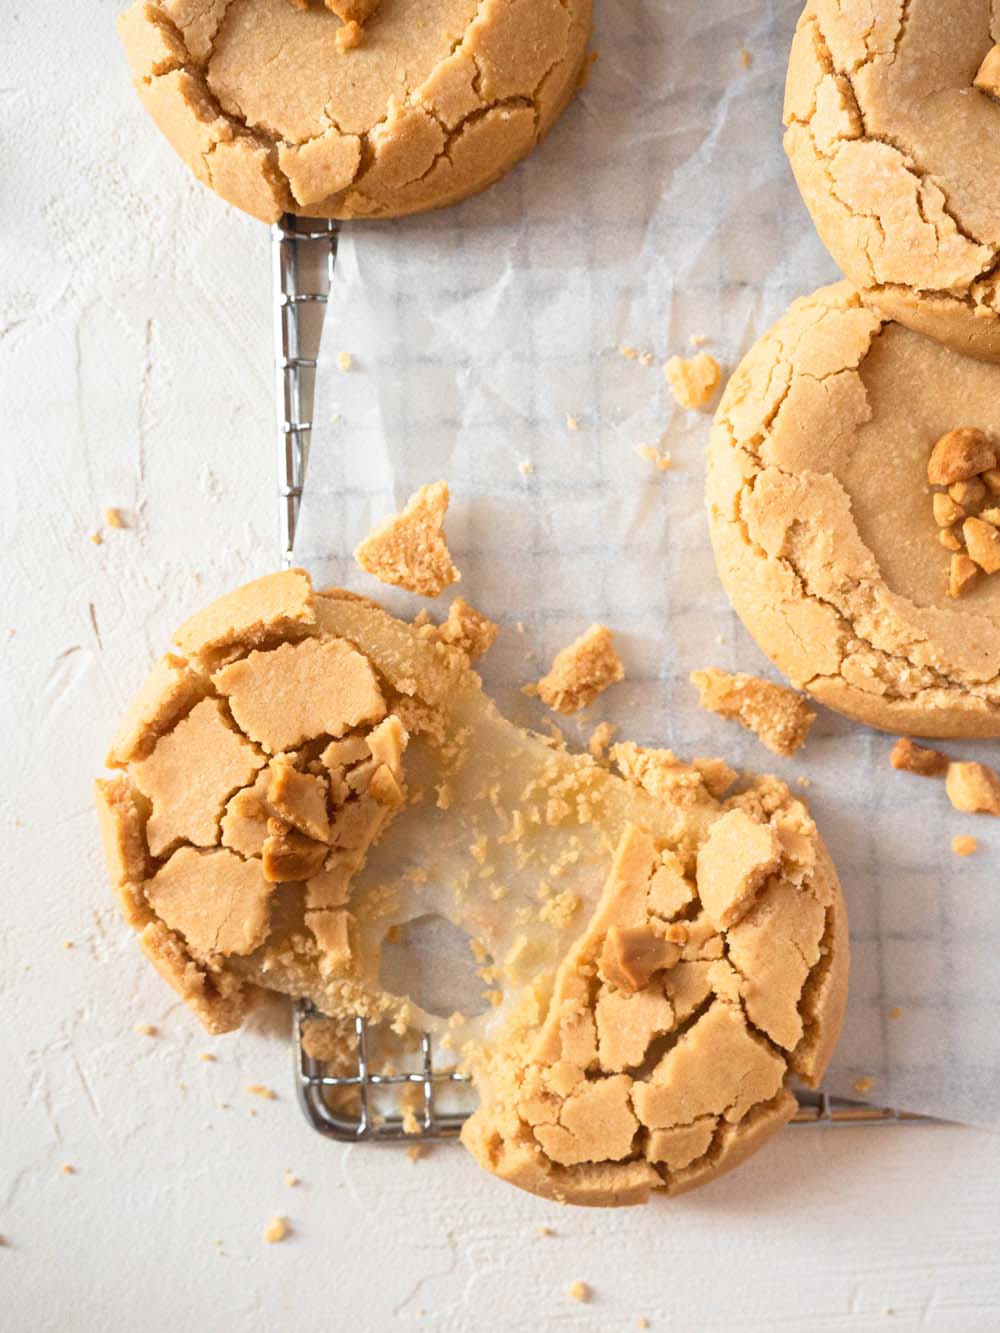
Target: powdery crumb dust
[[580, 672], [778, 716], [408, 549], [693, 381]]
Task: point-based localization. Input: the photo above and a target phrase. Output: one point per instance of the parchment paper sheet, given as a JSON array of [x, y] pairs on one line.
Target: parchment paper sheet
[[661, 206]]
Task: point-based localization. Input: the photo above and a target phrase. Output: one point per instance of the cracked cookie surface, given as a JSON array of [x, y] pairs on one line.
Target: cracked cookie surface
[[272, 824], [822, 522], [270, 107], [892, 110]]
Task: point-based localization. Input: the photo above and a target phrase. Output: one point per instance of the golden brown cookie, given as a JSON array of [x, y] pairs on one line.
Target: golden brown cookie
[[833, 446], [893, 116], [293, 107], [313, 776]]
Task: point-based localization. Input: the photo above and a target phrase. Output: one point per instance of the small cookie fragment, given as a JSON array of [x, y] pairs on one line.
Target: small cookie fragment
[[987, 79], [579, 1291], [468, 629], [408, 550], [779, 717], [276, 1230], [580, 672], [693, 380], [910, 758], [973, 788], [982, 541], [113, 518], [960, 455], [963, 845]]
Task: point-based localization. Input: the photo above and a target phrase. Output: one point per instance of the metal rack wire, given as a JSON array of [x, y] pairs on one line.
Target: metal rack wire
[[304, 259]]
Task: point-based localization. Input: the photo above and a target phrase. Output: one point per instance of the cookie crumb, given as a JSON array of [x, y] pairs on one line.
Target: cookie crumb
[[600, 738], [895, 1012], [642, 1322], [345, 360], [693, 381], [67, 1169], [97, 539], [779, 717], [660, 458], [698, 339], [572, 422], [963, 845], [973, 788], [68, 944], [580, 1292], [629, 353], [276, 1230], [544, 1231], [863, 1085], [408, 549], [918, 759], [526, 467], [207, 1056], [291, 1179], [745, 58], [262, 1090], [113, 518], [580, 672], [145, 1030], [804, 781], [415, 1151]]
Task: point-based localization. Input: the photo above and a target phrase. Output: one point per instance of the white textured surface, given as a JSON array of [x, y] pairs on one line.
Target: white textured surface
[[135, 346]]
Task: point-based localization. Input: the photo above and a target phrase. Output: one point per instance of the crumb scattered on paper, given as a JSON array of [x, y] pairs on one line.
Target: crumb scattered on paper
[[276, 1230], [973, 788], [409, 549], [67, 1169], [745, 58], [579, 1291], [778, 716], [96, 538], [580, 672], [964, 845], [895, 1012], [693, 381], [415, 1151], [344, 360], [544, 1231], [572, 422], [261, 1090], [145, 1030], [113, 518], [291, 1179], [863, 1085], [525, 467], [660, 458], [207, 1056], [911, 758]]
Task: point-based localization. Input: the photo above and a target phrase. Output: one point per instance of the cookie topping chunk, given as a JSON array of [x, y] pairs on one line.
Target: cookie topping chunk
[[973, 788], [409, 549], [693, 381]]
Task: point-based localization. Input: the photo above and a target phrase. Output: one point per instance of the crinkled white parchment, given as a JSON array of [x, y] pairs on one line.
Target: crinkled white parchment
[[659, 208]]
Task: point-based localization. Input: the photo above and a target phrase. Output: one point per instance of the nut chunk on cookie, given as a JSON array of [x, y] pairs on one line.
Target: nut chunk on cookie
[[409, 550], [580, 672], [779, 716], [973, 788]]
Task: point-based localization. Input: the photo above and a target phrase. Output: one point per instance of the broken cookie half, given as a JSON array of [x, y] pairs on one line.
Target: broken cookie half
[[631, 964]]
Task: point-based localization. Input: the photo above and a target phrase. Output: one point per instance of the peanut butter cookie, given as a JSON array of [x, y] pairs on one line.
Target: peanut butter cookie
[[893, 116], [349, 110], [846, 447], [313, 776]]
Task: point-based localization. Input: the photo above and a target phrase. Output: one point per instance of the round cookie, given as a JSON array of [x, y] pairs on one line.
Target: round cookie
[[893, 132], [827, 528], [296, 106], [634, 1022]]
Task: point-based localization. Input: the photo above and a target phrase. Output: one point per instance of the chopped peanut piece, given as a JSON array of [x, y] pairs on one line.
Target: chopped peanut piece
[[409, 549], [973, 788], [917, 759], [991, 516], [276, 1230], [946, 511], [987, 79], [693, 381], [348, 36], [967, 494], [579, 1291], [949, 540], [959, 455], [982, 541], [580, 672], [992, 479], [961, 574], [353, 11]]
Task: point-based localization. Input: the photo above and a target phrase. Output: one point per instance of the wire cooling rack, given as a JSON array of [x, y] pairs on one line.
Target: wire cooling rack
[[427, 1101]]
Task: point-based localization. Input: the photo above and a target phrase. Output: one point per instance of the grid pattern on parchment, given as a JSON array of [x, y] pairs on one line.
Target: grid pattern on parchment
[[365, 1104]]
